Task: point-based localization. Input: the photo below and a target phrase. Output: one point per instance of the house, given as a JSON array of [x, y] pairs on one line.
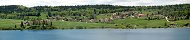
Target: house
[[141, 15]]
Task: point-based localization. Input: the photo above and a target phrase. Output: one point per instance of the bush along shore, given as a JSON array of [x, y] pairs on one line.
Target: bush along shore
[[18, 17]]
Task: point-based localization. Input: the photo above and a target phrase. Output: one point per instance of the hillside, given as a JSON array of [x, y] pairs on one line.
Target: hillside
[[94, 16]]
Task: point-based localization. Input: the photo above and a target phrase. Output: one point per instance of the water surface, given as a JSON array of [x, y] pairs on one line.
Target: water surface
[[98, 34]]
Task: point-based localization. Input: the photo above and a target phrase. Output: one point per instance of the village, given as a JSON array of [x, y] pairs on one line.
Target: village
[[113, 16], [47, 23]]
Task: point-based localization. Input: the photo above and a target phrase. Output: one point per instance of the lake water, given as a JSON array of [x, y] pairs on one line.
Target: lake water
[[98, 34]]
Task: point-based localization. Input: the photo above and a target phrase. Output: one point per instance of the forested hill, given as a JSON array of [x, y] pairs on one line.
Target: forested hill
[[111, 8], [20, 8]]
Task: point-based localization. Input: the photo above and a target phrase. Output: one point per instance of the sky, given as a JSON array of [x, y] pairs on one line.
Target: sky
[[31, 3]]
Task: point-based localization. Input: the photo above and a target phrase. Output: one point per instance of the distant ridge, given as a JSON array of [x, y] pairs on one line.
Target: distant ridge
[[95, 5]]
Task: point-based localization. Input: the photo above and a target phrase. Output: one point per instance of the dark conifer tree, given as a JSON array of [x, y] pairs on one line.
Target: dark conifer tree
[[22, 24]]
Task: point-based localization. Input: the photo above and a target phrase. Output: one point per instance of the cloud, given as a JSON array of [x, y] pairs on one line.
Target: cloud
[[31, 3]]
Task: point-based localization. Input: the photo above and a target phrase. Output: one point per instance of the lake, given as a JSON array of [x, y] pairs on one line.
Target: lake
[[98, 34]]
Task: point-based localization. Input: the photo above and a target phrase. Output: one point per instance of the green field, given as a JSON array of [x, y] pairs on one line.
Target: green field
[[67, 24], [120, 23], [141, 23], [9, 23], [182, 22]]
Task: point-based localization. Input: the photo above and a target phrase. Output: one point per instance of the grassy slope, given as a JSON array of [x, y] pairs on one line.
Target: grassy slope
[[66, 24], [5, 23], [141, 22], [182, 22], [10, 23]]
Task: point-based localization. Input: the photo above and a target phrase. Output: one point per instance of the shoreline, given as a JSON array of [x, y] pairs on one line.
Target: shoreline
[[93, 28]]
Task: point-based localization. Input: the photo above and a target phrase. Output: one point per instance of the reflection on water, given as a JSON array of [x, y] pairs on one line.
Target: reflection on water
[[98, 34]]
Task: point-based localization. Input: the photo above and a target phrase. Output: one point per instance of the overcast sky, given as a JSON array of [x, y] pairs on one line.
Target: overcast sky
[[31, 3]]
